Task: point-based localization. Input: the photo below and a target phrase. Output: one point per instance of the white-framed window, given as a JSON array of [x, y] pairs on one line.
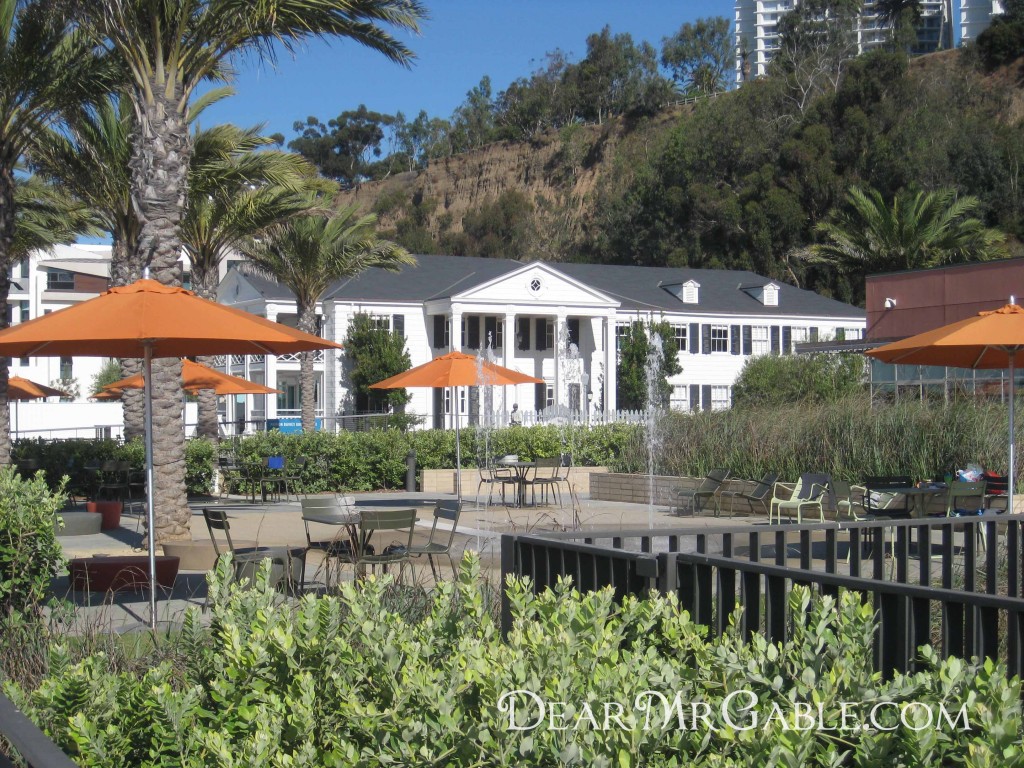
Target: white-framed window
[[719, 338], [549, 394], [760, 343], [679, 332], [549, 334], [448, 400], [851, 333], [680, 398], [621, 332], [798, 335], [721, 398], [380, 323]]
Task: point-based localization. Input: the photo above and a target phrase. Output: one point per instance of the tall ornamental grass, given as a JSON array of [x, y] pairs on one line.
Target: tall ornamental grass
[[849, 439]]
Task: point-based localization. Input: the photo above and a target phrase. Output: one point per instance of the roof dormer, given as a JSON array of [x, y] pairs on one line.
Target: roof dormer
[[690, 293], [767, 294]]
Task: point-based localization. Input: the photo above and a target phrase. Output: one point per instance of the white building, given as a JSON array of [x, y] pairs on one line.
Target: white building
[[558, 322], [944, 24]]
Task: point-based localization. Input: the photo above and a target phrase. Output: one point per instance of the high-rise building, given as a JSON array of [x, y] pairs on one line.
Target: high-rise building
[[944, 24]]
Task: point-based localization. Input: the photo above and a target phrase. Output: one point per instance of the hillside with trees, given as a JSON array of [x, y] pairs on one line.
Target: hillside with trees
[[831, 167]]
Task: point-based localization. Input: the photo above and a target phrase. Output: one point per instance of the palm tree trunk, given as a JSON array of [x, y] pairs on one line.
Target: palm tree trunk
[[204, 283], [307, 383], [125, 269], [6, 240], [161, 151]]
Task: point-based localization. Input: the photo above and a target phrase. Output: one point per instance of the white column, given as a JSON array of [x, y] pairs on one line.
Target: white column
[[270, 370], [507, 355], [610, 363], [560, 323]]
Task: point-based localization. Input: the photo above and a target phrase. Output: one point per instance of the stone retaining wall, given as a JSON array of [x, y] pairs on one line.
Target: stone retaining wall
[[443, 480], [635, 489]]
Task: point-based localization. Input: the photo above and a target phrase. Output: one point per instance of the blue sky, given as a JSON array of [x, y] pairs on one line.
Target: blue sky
[[460, 42]]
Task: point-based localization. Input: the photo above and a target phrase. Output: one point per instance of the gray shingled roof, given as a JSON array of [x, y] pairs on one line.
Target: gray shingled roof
[[637, 288], [721, 291]]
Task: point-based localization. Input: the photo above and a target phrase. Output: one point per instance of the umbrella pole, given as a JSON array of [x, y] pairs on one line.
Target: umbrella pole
[[147, 373], [458, 449], [1010, 472]]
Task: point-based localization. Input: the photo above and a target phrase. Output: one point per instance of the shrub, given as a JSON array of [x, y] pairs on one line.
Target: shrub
[[771, 380], [30, 555], [354, 680]]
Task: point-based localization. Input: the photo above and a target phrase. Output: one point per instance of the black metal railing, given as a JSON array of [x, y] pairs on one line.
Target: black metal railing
[[33, 746], [954, 583]]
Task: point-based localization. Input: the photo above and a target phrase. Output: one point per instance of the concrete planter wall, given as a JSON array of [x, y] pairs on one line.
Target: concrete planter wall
[[443, 480], [635, 489]]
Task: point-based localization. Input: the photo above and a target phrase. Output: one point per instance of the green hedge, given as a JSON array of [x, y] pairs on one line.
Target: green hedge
[[352, 680], [61, 458], [848, 439], [368, 461]]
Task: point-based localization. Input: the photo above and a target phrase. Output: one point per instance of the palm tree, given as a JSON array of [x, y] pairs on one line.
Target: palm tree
[[235, 193], [45, 216], [168, 48], [309, 253], [42, 68], [919, 229], [89, 154]]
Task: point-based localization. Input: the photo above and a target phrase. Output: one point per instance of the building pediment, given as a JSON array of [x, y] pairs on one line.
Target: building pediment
[[536, 284], [236, 289]]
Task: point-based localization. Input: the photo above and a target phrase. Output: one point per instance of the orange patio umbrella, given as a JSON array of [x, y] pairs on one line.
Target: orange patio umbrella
[[19, 388], [456, 369], [147, 319], [196, 376], [989, 340], [107, 394]]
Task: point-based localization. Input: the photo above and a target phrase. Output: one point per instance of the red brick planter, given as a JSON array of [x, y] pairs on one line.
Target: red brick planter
[[110, 574], [111, 511]]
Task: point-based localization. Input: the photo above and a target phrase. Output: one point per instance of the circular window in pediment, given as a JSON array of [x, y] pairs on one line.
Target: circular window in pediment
[[536, 285]]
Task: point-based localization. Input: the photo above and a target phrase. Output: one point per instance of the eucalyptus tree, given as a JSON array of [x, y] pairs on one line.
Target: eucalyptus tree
[[917, 229], [309, 253], [42, 68], [235, 193], [168, 49]]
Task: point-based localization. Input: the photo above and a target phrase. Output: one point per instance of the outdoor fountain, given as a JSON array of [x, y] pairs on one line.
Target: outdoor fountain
[[652, 371]]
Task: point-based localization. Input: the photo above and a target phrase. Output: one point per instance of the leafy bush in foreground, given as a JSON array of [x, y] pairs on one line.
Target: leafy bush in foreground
[[30, 555], [347, 681]]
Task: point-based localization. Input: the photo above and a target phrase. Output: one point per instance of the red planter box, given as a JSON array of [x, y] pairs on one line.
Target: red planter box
[[110, 574], [111, 511]]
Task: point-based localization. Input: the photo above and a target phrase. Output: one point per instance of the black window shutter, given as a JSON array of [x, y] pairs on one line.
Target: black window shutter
[[524, 333], [775, 339], [439, 405], [472, 331], [814, 333], [705, 396], [787, 340], [734, 339], [573, 324], [539, 396], [398, 324], [705, 339], [541, 333], [693, 339], [439, 321], [490, 332], [694, 397], [748, 340]]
